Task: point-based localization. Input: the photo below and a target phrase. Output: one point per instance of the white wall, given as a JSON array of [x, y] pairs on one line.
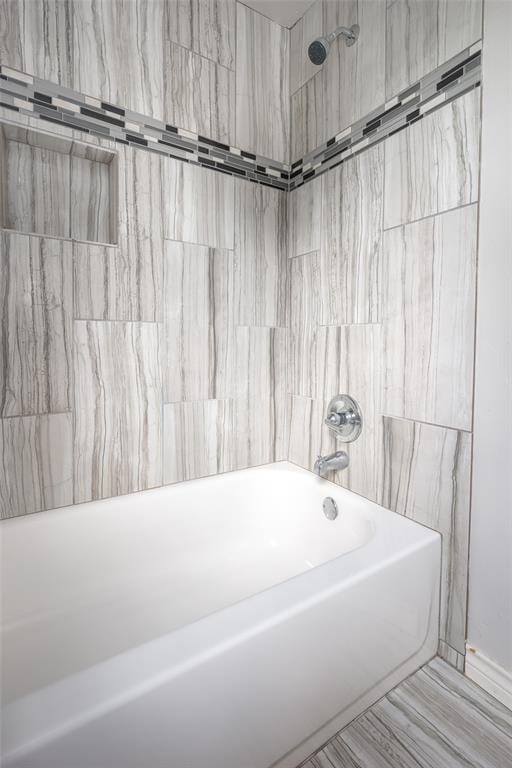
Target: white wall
[[490, 576]]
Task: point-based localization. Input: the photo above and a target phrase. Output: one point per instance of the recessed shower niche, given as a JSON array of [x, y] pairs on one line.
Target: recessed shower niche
[[51, 185]]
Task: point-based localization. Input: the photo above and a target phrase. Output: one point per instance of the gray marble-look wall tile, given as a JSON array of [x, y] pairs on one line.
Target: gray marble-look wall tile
[[302, 351], [304, 314], [261, 403], [3, 167], [36, 37], [260, 434], [36, 465], [422, 34], [429, 318], [434, 165], [198, 439], [118, 405], [349, 360], [306, 429], [426, 477], [207, 27], [36, 300], [199, 94], [198, 205], [308, 117], [353, 76], [352, 209], [262, 85], [260, 254], [460, 24], [109, 285], [261, 363], [37, 190], [15, 117], [141, 222], [307, 28], [130, 72], [199, 362], [91, 194], [305, 218]]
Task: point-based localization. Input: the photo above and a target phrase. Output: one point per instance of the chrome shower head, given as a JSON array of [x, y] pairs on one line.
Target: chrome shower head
[[318, 50]]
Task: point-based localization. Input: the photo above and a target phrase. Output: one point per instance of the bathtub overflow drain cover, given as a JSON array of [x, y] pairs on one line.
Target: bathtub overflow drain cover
[[330, 508]]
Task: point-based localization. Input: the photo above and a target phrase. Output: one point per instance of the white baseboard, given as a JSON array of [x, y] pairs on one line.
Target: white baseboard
[[489, 676]]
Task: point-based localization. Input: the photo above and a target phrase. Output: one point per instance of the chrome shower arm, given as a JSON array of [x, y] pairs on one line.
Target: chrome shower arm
[[350, 33]]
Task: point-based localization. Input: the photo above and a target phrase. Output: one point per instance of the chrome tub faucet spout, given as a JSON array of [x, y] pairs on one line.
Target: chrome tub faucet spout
[[331, 463]]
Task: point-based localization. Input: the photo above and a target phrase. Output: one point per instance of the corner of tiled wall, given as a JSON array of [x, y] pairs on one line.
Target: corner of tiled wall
[[382, 272]]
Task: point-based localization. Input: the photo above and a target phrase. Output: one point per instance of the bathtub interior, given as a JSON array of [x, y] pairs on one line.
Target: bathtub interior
[[71, 599]]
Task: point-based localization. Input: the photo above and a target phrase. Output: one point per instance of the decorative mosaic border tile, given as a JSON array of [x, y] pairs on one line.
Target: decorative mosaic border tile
[[56, 104], [457, 76]]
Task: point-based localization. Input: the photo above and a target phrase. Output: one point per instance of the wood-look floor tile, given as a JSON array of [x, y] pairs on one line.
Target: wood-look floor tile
[[436, 718]]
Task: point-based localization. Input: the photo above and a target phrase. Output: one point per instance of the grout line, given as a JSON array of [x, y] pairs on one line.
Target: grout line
[[314, 252], [430, 215], [115, 320], [44, 236], [33, 415], [427, 423], [168, 41]]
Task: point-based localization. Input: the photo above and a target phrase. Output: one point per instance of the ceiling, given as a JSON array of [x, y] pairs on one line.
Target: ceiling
[[285, 12]]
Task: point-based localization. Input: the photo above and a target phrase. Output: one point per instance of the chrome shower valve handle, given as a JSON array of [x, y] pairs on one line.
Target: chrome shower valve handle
[[344, 418]]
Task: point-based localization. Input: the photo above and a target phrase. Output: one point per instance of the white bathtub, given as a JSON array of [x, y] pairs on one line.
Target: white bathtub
[[224, 622]]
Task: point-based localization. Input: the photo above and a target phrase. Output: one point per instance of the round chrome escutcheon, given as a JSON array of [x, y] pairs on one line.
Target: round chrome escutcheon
[[330, 508], [344, 418]]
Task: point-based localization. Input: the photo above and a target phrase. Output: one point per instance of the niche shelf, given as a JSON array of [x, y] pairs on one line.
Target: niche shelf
[[51, 185]]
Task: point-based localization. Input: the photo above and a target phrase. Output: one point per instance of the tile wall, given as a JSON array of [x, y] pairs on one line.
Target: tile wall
[[152, 360], [211, 333], [152, 351], [400, 42], [382, 274], [213, 67]]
